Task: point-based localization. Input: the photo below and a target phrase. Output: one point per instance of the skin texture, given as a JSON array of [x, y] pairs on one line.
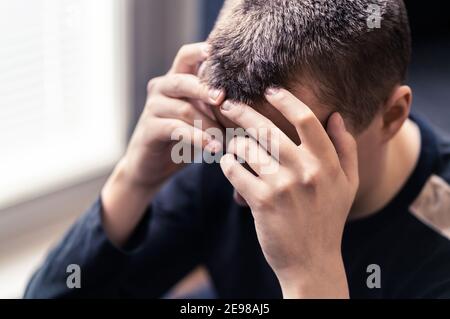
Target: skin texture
[[300, 211]]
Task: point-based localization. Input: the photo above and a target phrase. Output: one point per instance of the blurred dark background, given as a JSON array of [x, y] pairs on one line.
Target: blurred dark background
[[430, 68]]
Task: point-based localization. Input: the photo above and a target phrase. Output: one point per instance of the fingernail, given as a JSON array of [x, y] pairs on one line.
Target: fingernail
[[214, 94], [272, 91], [227, 106]]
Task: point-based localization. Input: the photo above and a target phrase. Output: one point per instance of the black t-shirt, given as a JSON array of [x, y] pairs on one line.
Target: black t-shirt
[[403, 251]]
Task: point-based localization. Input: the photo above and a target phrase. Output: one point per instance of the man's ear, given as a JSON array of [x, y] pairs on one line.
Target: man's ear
[[396, 111]]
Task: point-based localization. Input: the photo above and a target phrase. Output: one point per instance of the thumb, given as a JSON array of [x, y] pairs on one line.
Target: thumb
[[345, 146]]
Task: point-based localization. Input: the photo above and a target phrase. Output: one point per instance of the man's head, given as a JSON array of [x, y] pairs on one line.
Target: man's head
[[349, 56], [330, 48]]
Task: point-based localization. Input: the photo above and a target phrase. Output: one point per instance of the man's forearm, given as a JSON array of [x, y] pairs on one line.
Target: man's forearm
[[124, 205]]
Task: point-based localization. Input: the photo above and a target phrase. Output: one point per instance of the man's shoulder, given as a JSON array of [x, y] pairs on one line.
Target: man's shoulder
[[432, 205], [429, 231]]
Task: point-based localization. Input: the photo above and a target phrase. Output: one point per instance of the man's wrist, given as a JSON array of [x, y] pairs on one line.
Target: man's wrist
[[124, 204], [326, 281], [123, 180]]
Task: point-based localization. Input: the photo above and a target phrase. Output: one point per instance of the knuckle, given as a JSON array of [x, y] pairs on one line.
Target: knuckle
[[173, 125], [284, 184], [181, 53], [311, 179], [185, 111], [183, 50], [151, 85], [306, 119], [177, 83]]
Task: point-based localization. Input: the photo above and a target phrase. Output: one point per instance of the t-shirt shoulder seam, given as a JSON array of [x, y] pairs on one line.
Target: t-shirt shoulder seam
[[432, 206]]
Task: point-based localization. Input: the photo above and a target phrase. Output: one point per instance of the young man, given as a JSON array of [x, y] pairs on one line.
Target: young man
[[359, 205]]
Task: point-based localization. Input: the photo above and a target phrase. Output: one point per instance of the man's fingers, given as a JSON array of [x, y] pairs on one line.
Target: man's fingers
[[261, 129], [182, 110], [310, 130], [243, 181], [177, 130], [204, 108], [254, 155], [189, 57], [345, 146], [186, 86]]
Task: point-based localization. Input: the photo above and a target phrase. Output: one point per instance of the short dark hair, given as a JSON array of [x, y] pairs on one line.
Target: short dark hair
[[326, 45]]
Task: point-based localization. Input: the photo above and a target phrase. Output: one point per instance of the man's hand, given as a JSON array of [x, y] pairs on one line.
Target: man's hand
[[301, 209], [174, 102]]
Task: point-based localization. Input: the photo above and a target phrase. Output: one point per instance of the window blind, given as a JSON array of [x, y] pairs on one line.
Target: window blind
[[62, 112]]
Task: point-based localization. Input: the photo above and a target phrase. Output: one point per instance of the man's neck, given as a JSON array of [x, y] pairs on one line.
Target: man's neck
[[402, 154]]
